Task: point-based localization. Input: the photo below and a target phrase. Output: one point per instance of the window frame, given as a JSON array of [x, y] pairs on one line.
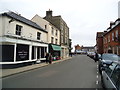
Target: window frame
[[18, 30], [38, 36]]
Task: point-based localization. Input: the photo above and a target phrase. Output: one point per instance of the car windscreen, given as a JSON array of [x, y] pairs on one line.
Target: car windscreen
[[110, 57]]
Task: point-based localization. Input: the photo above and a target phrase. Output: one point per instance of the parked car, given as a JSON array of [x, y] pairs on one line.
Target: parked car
[[91, 54], [107, 58], [110, 77]]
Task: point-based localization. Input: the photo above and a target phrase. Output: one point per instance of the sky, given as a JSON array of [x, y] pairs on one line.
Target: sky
[[83, 17]]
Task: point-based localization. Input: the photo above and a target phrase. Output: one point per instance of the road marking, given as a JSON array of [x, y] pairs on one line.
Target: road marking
[[97, 76], [97, 66], [97, 72], [97, 82]]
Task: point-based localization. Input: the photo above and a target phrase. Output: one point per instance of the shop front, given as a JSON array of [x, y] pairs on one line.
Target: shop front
[[55, 51], [15, 54]]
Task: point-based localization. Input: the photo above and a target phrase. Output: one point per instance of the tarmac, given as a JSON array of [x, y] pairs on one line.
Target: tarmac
[[9, 72]]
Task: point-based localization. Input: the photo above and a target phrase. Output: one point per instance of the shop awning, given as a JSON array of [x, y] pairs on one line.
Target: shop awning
[[56, 48]]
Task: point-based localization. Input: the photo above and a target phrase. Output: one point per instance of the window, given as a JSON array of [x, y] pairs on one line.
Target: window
[[45, 27], [7, 53], [52, 39], [38, 35], [56, 41], [22, 52], [116, 76], [112, 36], [117, 34], [110, 69], [56, 33], [109, 38], [18, 29], [33, 52], [52, 31]]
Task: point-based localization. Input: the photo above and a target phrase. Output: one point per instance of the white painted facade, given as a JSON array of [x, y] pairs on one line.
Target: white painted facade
[[48, 27], [28, 38]]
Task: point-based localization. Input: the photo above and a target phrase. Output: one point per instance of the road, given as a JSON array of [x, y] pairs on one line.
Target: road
[[78, 72]]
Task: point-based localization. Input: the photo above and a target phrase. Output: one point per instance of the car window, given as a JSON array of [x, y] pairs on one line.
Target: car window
[[110, 57], [115, 77], [109, 69]]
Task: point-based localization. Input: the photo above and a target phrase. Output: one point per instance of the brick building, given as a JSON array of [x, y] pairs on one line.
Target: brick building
[[99, 40], [111, 39]]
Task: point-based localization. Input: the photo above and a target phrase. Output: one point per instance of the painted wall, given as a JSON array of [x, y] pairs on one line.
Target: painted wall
[[43, 23], [27, 31]]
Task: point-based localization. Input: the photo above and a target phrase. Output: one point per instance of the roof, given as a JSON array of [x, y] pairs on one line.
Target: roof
[[22, 19], [113, 27]]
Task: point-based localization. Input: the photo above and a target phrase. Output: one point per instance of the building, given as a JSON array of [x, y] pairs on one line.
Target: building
[[58, 22], [22, 41], [53, 35], [111, 39], [99, 42], [83, 50], [88, 49]]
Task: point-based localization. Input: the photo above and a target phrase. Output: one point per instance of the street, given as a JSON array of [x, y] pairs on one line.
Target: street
[[78, 72]]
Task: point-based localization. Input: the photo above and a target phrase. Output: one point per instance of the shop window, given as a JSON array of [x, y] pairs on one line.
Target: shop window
[[7, 53], [18, 29], [22, 52], [42, 52], [38, 53], [33, 52]]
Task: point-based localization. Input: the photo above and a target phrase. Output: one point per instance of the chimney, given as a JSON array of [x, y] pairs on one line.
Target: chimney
[[49, 14], [111, 23]]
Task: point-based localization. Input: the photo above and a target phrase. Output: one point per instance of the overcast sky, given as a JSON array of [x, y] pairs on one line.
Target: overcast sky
[[83, 17]]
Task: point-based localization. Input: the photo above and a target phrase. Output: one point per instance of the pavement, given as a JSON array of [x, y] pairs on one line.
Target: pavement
[[9, 72]]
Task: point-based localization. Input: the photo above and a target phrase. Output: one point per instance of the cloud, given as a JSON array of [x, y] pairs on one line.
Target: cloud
[[83, 17]]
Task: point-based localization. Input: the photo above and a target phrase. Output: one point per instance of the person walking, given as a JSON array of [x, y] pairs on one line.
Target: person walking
[[96, 56], [47, 57], [50, 58]]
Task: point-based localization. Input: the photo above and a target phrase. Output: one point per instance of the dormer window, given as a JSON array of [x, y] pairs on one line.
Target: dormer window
[[18, 29]]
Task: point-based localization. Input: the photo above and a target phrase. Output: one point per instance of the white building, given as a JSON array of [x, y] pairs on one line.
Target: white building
[[21, 40], [53, 37]]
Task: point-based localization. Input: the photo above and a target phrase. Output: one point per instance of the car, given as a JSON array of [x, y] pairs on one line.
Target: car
[[91, 54], [107, 58], [110, 77]]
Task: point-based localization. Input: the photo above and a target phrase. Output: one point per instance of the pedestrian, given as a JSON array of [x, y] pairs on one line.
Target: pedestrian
[[96, 57], [50, 58], [47, 57]]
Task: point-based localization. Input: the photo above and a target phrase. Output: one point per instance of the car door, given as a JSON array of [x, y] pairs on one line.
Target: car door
[[115, 77], [106, 76]]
